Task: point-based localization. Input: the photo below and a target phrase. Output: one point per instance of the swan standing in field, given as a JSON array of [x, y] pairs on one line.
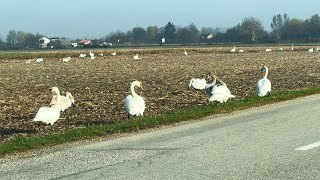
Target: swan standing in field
[[64, 103], [310, 50], [233, 50], [91, 54], [221, 93], [185, 53], [263, 87], [292, 49], [136, 57], [114, 53], [39, 60], [49, 115], [134, 104], [66, 59]]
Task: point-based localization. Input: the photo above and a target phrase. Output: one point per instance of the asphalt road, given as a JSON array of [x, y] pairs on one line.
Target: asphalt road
[[269, 142]]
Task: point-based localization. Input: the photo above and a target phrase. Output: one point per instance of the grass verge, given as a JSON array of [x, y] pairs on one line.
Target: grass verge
[[32, 142]]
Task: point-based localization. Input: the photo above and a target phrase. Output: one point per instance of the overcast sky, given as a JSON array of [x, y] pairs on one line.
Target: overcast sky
[[97, 18]]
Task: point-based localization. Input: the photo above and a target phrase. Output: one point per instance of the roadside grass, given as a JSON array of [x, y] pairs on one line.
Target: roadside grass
[[21, 144]]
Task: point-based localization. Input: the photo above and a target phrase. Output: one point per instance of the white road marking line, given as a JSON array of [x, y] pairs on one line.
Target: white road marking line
[[307, 147]]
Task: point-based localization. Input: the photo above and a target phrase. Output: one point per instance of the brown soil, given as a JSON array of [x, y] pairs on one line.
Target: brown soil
[[100, 86]]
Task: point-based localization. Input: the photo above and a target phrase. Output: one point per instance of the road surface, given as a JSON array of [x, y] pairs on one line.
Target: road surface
[[278, 141]]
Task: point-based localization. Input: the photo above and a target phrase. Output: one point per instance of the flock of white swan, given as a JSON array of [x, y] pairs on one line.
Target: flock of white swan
[[135, 104]]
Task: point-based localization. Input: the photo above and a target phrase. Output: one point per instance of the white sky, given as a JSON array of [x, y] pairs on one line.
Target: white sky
[[97, 18]]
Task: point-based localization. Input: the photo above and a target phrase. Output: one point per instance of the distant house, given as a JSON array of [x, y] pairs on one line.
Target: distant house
[[43, 42], [84, 42], [206, 38], [54, 42]]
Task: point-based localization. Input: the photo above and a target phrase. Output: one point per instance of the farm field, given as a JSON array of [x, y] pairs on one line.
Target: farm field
[[100, 86]]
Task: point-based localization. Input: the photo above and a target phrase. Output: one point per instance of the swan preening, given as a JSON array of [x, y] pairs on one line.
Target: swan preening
[[220, 92], [199, 83], [49, 115], [134, 104], [64, 102], [263, 87], [136, 57]]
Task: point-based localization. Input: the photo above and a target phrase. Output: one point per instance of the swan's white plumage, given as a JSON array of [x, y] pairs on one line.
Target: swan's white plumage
[[49, 115], [233, 50], [64, 103], [82, 55], [136, 57], [134, 104], [185, 53], [39, 60], [66, 59], [197, 83], [263, 86], [221, 93], [114, 53]]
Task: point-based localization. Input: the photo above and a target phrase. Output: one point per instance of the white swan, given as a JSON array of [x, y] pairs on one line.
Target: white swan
[[66, 59], [198, 83], [292, 49], [28, 61], [64, 103], [101, 54], [82, 55], [233, 50], [221, 93], [134, 103], [240, 51], [49, 115], [185, 53], [91, 55], [264, 85], [310, 50], [114, 53], [136, 57], [39, 60], [268, 50]]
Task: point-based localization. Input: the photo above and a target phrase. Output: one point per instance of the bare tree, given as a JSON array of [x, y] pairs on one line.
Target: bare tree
[[252, 26]]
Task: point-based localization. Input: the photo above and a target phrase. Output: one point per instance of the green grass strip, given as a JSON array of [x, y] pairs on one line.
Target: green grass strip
[[32, 142]]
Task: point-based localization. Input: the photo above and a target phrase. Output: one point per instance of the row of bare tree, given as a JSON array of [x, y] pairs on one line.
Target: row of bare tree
[[249, 30]]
